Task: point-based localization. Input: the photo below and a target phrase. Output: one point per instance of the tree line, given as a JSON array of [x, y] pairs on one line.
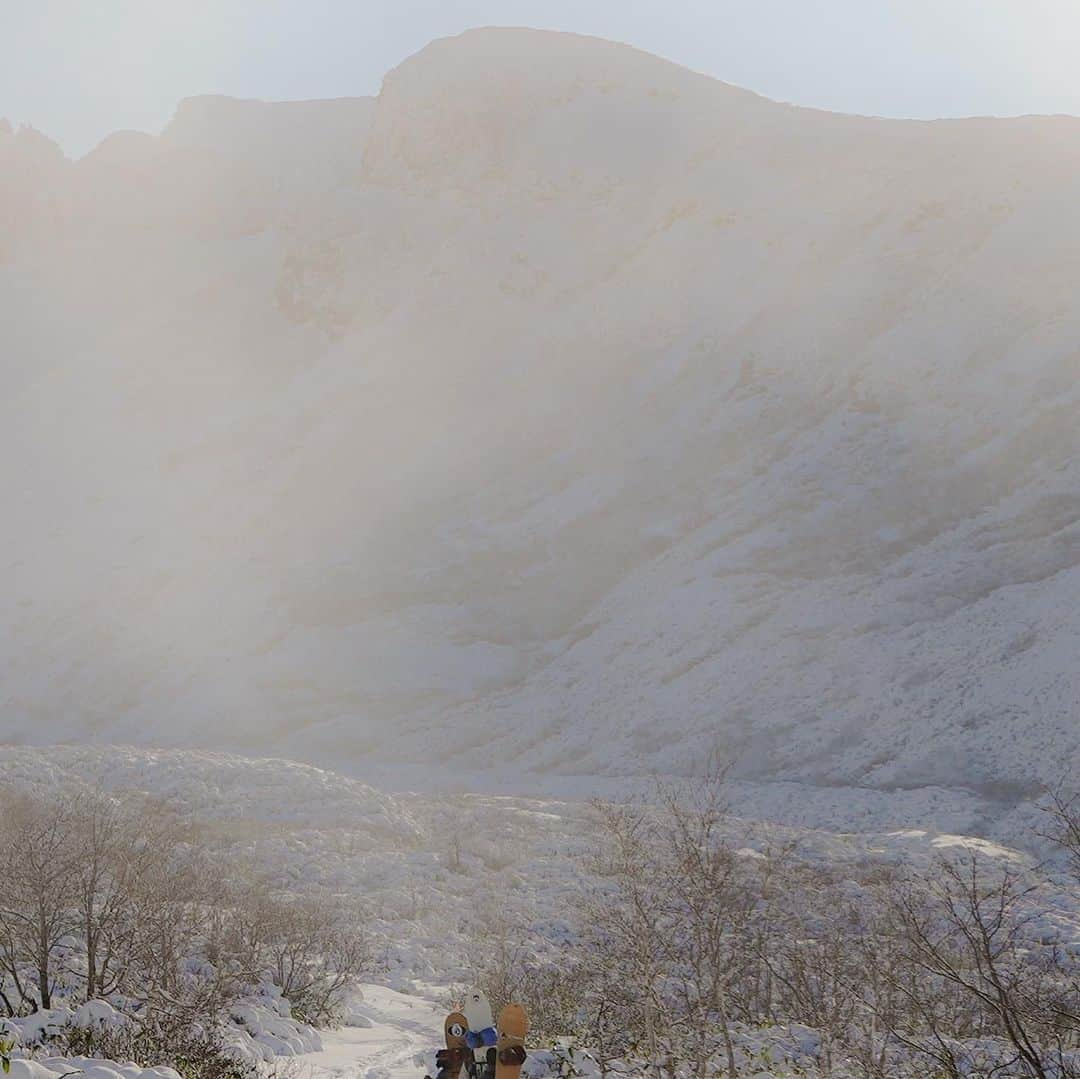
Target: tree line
[[687, 943], [118, 898]]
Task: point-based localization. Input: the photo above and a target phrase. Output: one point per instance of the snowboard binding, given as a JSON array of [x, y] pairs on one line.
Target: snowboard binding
[[512, 1055]]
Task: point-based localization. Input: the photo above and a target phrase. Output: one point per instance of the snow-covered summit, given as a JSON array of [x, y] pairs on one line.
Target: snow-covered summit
[[502, 105]]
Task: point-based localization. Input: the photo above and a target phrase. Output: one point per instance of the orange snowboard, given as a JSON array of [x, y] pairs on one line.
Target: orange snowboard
[[512, 1026]]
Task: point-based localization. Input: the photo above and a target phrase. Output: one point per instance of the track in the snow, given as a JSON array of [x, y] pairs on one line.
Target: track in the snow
[[403, 1030]]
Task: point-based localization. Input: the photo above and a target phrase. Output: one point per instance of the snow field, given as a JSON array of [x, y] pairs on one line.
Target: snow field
[[443, 878]]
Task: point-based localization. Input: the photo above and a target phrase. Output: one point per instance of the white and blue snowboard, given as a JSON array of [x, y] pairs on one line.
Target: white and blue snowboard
[[482, 1034]]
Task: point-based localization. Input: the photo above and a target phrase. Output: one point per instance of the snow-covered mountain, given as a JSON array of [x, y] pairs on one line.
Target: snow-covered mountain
[[560, 410]]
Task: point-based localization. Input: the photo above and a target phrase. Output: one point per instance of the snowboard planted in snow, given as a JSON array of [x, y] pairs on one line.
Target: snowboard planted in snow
[[482, 1036], [457, 1054], [510, 1054]]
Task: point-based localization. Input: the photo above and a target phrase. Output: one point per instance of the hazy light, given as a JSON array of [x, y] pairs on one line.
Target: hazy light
[[79, 71]]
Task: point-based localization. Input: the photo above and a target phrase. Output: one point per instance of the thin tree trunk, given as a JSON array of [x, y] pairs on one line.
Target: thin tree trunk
[[729, 1045], [43, 981], [91, 962]]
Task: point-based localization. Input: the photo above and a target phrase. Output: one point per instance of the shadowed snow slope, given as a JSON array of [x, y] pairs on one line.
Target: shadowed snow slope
[[561, 406]]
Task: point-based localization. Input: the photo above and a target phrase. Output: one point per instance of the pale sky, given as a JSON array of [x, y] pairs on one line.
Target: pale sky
[[79, 69]]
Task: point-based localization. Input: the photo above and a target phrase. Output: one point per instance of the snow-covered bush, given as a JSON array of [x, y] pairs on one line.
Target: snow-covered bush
[[694, 956], [313, 949], [193, 1051], [119, 937]]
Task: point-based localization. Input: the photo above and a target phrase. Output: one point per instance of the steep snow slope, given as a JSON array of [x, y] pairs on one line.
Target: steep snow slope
[[563, 407]]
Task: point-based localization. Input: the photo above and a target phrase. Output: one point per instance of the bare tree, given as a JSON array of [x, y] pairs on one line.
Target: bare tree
[[970, 928], [313, 949], [145, 892], [172, 902], [1064, 813], [670, 921], [36, 862], [813, 963], [107, 842]]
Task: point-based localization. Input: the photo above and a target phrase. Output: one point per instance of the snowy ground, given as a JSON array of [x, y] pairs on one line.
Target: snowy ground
[[392, 1035], [437, 872], [404, 1032]]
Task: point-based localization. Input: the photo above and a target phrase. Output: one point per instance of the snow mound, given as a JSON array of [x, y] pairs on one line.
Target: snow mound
[[274, 796], [262, 1030], [87, 1068]]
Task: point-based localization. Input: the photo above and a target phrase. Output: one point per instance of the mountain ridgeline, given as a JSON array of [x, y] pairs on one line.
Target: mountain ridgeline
[[559, 406]]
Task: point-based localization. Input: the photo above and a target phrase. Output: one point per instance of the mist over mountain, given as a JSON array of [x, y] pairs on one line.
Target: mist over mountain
[[558, 411]]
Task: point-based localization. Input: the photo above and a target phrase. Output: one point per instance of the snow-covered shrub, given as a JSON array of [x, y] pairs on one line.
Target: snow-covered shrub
[[117, 936], [193, 1051], [313, 950], [693, 956], [972, 932]]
